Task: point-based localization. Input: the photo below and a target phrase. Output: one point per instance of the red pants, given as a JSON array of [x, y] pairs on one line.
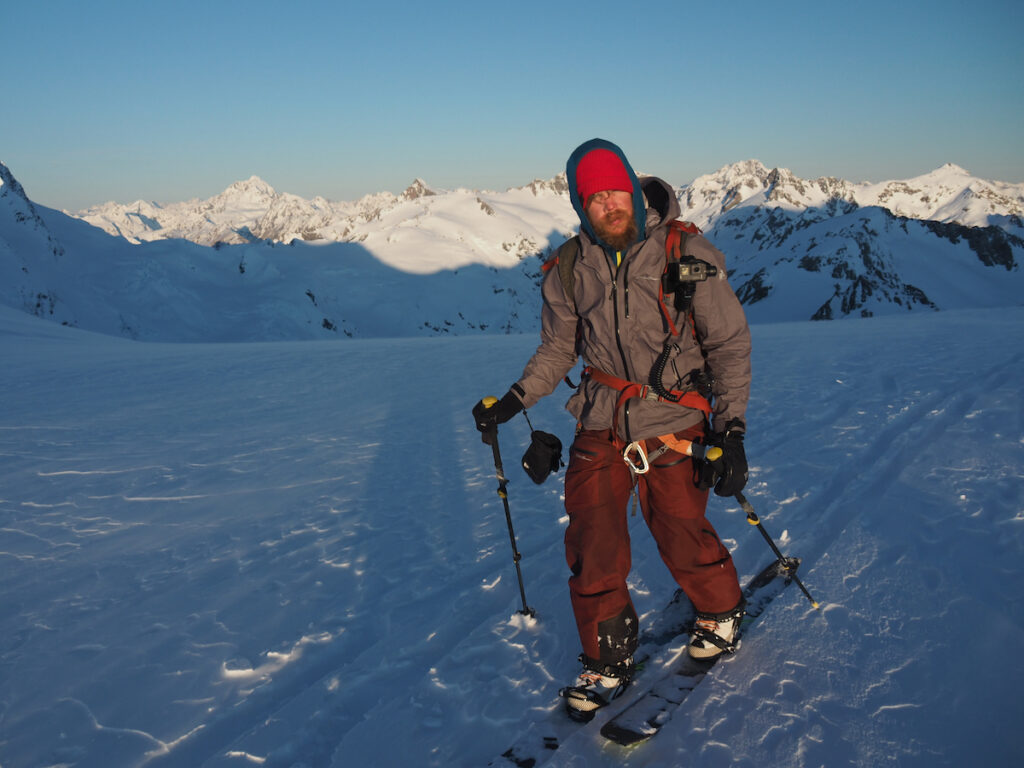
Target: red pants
[[597, 489]]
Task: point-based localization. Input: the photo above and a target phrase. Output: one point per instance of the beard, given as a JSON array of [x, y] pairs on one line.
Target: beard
[[617, 230]]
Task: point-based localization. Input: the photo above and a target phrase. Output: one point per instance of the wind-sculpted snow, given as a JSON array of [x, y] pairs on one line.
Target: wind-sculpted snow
[[293, 554]]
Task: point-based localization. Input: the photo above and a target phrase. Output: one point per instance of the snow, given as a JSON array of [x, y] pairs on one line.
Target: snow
[[293, 554]]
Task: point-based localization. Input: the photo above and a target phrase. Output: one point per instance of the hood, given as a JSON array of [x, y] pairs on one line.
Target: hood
[[662, 204], [639, 207]]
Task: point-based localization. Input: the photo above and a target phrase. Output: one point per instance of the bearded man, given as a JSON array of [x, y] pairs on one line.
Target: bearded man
[[635, 344]]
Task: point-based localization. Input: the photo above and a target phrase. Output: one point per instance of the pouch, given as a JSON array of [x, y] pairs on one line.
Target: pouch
[[543, 457]]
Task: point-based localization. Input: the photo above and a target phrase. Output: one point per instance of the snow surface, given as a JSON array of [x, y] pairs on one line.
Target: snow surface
[[292, 554]]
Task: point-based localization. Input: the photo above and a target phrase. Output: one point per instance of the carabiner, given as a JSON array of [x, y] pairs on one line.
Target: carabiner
[[636, 446]]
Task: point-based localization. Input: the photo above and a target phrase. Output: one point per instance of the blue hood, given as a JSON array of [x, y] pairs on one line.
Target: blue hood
[[639, 207]]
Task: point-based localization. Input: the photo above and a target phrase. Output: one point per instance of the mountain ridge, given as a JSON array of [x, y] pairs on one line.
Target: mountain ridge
[[253, 263], [948, 193]]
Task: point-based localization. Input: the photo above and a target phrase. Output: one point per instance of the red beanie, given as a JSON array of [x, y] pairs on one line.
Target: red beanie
[[599, 170]]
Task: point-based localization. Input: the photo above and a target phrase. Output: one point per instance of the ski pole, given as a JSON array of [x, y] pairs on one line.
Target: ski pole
[[503, 494], [754, 520]]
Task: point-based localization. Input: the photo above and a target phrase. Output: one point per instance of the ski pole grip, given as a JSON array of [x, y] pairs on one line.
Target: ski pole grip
[[689, 448], [712, 453]]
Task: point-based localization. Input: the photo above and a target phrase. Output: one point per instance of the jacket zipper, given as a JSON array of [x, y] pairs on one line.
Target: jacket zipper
[[623, 267]]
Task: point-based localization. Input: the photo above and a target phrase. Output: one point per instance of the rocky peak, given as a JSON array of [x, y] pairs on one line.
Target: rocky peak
[[559, 185], [14, 195], [417, 189], [783, 186]]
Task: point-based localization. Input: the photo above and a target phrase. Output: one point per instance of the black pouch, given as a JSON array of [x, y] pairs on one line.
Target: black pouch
[[543, 457]]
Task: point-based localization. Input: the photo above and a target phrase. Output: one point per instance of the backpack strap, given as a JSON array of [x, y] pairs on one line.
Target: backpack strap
[[675, 251], [565, 260], [675, 241]]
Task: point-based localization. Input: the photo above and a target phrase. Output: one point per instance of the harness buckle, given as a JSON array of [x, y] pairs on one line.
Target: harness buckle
[[636, 448]]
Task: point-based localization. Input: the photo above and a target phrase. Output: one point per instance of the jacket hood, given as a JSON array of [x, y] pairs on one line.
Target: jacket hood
[[639, 207], [662, 204]]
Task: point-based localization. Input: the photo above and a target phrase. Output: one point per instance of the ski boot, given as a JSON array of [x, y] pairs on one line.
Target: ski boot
[[595, 687], [715, 633]]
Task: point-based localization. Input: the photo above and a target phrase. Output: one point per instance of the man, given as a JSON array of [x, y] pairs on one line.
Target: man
[[692, 353]]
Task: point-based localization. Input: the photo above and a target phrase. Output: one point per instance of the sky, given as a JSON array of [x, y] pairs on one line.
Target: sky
[[166, 102]]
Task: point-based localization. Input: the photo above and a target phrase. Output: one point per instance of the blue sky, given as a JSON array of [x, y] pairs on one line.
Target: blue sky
[[169, 101]]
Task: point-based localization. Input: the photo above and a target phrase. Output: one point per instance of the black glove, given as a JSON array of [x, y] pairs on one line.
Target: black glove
[[488, 419], [727, 473]]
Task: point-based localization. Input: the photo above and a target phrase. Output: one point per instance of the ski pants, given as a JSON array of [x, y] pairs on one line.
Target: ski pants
[[598, 485]]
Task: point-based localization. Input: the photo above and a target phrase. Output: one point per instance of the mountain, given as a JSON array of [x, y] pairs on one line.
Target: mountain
[[827, 248], [252, 211], [234, 216], [253, 263], [31, 259], [949, 195]]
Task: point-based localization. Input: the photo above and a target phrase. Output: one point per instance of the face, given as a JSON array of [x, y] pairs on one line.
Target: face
[[611, 215]]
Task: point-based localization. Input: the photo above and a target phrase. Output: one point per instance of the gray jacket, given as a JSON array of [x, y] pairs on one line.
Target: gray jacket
[[622, 331]]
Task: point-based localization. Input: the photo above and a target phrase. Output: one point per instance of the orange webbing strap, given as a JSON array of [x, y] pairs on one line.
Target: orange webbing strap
[[685, 447]]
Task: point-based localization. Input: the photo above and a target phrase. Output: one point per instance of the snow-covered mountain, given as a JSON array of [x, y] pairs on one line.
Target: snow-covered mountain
[[251, 211], [31, 259], [829, 248], [949, 195], [382, 265]]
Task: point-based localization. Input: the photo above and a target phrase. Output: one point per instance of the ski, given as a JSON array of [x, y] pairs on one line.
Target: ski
[[625, 720], [646, 715], [536, 744]]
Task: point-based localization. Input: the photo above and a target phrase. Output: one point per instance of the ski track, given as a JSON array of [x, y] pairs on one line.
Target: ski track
[[866, 521], [897, 443], [864, 487], [340, 690], [342, 687]]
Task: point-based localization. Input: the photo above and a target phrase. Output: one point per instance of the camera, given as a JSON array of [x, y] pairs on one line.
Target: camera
[[681, 278]]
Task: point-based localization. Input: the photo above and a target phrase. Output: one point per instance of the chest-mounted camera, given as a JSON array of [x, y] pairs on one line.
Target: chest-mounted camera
[[681, 278]]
